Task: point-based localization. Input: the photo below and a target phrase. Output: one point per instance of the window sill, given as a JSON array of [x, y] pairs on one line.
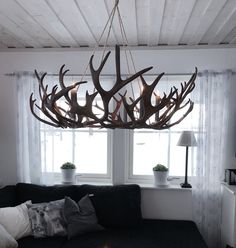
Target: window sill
[[167, 187], [142, 185]]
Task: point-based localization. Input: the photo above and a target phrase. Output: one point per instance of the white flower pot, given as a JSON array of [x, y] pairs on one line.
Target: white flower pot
[[160, 178], [68, 176]]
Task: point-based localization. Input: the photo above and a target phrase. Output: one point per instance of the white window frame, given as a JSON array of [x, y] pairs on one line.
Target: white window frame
[[89, 177], [119, 168], [143, 179]]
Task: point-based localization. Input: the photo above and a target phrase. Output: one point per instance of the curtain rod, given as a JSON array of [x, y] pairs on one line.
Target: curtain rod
[[109, 75]]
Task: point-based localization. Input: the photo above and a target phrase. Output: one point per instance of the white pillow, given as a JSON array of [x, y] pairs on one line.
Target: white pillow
[[6, 240], [16, 220]]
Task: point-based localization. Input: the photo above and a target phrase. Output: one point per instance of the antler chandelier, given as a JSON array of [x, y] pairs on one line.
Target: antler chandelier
[[128, 112]]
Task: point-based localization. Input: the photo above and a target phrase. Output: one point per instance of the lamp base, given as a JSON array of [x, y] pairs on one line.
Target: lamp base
[[186, 185]]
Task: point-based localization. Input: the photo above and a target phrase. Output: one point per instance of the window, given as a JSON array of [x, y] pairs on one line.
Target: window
[[148, 147], [88, 148], [96, 152]]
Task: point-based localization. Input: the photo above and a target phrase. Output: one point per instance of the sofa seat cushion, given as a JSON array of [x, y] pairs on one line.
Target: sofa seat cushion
[[151, 234], [50, 242]]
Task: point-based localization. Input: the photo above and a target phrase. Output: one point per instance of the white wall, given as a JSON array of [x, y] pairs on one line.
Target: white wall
[[172, 204], [155, 203]]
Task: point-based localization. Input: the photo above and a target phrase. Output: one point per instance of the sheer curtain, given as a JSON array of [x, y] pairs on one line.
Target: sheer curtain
[[214, 89], [28, 128]]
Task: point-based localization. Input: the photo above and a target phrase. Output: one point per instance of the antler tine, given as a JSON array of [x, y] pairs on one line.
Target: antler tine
[[61, 80], [32, 103]]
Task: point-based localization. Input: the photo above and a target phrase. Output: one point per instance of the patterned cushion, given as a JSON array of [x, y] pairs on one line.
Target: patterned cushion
[[47, 219]]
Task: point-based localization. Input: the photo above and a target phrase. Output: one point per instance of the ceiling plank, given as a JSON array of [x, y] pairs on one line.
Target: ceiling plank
[[142, 13], [203, 15], [128, 15], [96, 17], [156, 12], [17, 14], [71, 17], [233, 41], [2, 45], [18, 33], [8, 40], [220, 24], [41, 12], [231, 37], [228, 26], [206, 21], [171, 7], [179, 20]]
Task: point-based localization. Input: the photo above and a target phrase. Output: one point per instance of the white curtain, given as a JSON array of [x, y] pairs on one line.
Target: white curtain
[[213, 96], [28, 128]]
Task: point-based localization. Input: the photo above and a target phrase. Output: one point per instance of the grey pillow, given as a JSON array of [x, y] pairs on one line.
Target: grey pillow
[[47, 219], [81, 218]]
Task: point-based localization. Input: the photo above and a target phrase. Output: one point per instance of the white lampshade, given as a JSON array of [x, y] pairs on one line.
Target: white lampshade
[[187, 138]]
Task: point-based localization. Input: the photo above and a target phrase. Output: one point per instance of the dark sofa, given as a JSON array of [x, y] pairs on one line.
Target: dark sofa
[[118, 210]]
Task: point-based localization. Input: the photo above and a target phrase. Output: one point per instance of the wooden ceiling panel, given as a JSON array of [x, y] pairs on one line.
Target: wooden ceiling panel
[[76, 23], [17, 14], [156, 12], [221, 24], [207, 19], [41, 12], [179, 21], [96, 16], [231, 37], [228, 26], [8, 40], [128, 14], [18, 33], [71, 17], [142, 12]]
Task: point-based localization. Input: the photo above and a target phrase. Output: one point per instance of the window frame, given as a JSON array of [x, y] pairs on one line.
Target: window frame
[[86, 177], [125, 162], [143, 179]]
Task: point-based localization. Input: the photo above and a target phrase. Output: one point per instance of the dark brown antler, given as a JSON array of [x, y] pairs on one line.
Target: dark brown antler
[[137, 113]]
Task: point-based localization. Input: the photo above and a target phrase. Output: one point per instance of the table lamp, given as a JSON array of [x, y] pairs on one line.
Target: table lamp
[[186, 139]]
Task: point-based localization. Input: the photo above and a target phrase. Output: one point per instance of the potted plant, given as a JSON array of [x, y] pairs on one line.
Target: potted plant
[[68, 173], [160, 175]]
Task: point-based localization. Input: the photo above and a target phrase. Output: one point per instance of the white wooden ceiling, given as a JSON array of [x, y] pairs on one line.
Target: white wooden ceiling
[[79, 23]]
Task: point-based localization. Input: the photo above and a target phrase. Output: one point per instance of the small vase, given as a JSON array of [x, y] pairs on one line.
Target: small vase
[[68, 176], [160, 178]]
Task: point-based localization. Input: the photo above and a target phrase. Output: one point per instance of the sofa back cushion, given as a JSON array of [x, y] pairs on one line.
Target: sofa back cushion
[[116, 206], [40, 193], [8, 196]]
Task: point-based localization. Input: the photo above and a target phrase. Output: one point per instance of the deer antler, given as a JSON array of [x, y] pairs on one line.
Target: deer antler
[[78, 116]]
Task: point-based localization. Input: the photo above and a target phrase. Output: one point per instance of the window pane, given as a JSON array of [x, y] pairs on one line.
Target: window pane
[[87, 149], [150, 148], [177, 156], [91, 152]]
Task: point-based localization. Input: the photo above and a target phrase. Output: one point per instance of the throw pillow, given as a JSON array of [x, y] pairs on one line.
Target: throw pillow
[[6, 240], [81, 218], [47, 219], [16, 220]]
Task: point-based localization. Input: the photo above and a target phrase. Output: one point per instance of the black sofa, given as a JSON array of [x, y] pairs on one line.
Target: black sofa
[[118, 210]]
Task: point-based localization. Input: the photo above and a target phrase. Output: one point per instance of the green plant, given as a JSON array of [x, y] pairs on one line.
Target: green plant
[[68, 165], [160, 167]]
